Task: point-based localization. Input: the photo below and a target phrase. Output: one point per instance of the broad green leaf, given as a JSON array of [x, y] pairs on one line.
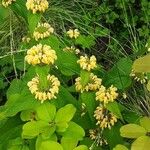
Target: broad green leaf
[[10, 129], [67, 63], [89, 99], [48, 131], [15, 147], [85, 77], [74, 131], [33, 128], [148, 85], [27, 115], [119, 81], [68, 143], [142, 143], [81, 147], [132, 131], [119, 74], [53, 41], [47, 145], [30, 130], [64, 97], [16, 104], [120, 147], [20, 9], [85, 41], [42, 72], [145, 123], [114, 108], [33, 20], [113, 136], [65, 114], [46, 112], [142, 64], [16, 141], [16, 87], [61, 126]]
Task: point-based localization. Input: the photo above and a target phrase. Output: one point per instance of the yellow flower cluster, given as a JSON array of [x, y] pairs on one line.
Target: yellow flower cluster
[[104, 118], [93, 85], [37, 5], [87, 63], [41, 54], [139, 77], [26, 39], [106, 95], [73, 33], [43, 30], [71, 49], [50, 93], [6, 3]]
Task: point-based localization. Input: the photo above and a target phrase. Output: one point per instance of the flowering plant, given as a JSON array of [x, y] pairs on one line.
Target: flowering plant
[[64, 99]]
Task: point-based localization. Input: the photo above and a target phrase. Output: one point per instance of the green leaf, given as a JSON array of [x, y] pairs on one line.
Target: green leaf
[[81, 147], [142, 143], [42, 72], [67, 63], [33, 128], [145, 123], [20, 9], [47, 145], [142, 64], [119, 74], [74, 131], [114, 108], [16, 87], [46, 112], [85, 77], [17, 103], [120, 147], [89, 99], [132, 131], [61, 126], [65, 97], [65, 114], [9, 130], [27, 115], [113, 136], [85, 41], [33, 20], [68, 143]]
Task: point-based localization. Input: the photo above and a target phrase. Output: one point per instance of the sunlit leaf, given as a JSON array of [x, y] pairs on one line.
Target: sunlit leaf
[[132, 131]]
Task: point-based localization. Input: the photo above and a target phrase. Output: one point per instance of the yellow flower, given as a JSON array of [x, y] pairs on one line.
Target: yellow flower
[[41, 54], [43, 30], [49, 93], [73, 33], [37, 5], [104, 118], [87, 63], [106, 95], [6, 3], [93, 85], [139, 77], [71, 49]]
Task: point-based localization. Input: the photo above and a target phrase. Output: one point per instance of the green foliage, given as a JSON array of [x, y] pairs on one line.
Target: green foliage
[[120, 147], [132, 131], [140, 132], [116, 32]]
